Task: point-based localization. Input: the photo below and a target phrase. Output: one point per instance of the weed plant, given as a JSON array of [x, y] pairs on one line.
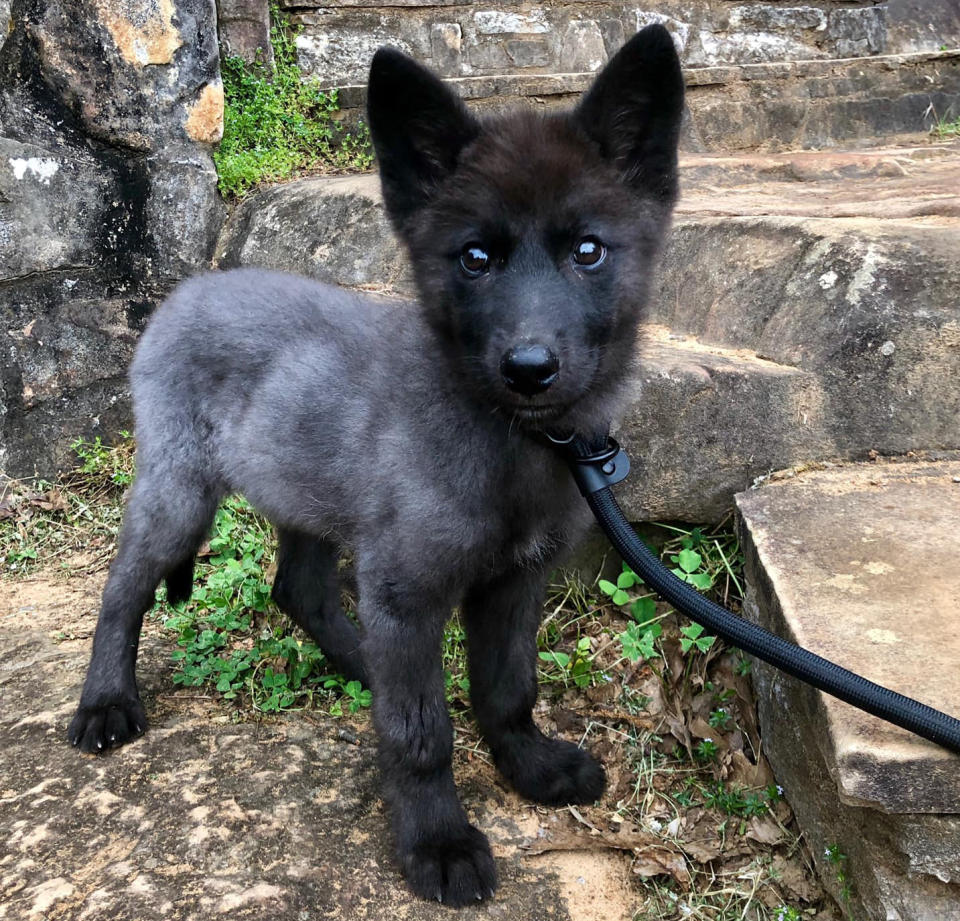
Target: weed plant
[[278, 124]]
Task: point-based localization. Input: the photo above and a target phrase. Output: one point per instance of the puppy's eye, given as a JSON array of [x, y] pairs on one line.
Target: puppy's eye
[[589, 252], [474, 260]]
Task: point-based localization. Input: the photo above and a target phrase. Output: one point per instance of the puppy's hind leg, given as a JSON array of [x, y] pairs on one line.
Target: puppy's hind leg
[[307, 588], [165, 523]]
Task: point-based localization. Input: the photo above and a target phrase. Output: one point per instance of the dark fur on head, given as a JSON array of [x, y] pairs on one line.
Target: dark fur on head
[[528, 187], [398, 430]]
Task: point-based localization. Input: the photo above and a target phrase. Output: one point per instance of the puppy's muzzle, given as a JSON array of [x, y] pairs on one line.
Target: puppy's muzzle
[[529, 369]]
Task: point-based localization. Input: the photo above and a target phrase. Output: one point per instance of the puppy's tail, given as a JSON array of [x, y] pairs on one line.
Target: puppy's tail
[[180, 582]]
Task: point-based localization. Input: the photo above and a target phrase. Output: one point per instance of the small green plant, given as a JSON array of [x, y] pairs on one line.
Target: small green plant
[[354, 693], [735, 801], [946, 128], [276, 123], [706, 750], [786, 913], [575, 667], [231, 637], [838, 860], [691, 637], [639, 639], [457, 680], [99, 461], [709, 560], [690, 568], [720, 719]]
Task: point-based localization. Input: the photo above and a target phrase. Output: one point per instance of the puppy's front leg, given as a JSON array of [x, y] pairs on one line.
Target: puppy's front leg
[[502, 618], [442, 856]]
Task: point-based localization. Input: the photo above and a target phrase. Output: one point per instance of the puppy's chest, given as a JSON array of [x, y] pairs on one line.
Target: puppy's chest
[[539, 525]]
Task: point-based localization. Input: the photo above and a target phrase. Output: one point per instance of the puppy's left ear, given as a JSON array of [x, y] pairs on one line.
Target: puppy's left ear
[[633, 112], [418, 127]]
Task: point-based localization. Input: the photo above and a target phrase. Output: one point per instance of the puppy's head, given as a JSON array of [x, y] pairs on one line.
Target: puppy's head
[[533, 237]]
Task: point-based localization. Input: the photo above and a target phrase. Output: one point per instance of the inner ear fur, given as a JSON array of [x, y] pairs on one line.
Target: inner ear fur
[[419, 128], [634, 109]]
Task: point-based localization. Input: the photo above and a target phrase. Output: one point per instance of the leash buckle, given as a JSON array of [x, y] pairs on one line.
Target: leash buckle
[[592, 470]]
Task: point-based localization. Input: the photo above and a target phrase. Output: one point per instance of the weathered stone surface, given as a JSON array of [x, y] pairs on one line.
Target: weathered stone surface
[[771, 106], [922, 25], [350, 240], [183, 210], [794, 337], [703, 422], [849, 562], [446, 43], [4, 21], [866, 305], [107, 196], [205, 818], [50, 207], [583, 48], [338, 37], [155, 57], [244, 29]]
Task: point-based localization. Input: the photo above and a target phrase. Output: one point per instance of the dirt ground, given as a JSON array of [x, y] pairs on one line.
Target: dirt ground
[[217, 810], [204, 817]]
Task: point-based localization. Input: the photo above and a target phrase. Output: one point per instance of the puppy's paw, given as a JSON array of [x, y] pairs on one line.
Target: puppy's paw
[[551, 771], [94, 729], [456, 869]]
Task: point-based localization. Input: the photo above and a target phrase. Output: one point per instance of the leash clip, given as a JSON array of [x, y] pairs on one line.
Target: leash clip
[[592, 470]]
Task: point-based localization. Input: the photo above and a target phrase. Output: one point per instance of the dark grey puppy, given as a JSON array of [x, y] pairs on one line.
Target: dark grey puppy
[[408, 432]]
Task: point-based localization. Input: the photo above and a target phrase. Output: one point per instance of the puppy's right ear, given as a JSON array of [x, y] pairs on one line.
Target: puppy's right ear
[[418, 127]]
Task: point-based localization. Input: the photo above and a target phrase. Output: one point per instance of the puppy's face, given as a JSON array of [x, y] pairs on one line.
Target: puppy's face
[[533, 238]]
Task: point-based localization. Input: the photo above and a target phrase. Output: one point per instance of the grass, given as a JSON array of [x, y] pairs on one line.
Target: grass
[[946, 128], [277, 124], [666, 706]]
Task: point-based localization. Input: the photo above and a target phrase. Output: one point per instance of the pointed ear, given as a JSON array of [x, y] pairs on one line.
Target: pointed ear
[[633, 112], [418, 126]]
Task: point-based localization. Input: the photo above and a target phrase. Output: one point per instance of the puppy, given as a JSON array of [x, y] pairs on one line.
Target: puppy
[[409, 431]]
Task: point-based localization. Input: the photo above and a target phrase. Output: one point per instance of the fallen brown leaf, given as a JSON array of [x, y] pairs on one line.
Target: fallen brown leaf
[[765, 830], [660, 861]]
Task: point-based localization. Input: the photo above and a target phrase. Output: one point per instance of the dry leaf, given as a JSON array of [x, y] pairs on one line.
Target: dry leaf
[[765, 830], [52, 501], [660, 861], [744, 773], [793, 879]]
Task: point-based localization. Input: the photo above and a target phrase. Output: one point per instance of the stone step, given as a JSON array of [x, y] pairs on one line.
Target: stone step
[[775, 337], [771, 106], [337, 39], [859, 564]]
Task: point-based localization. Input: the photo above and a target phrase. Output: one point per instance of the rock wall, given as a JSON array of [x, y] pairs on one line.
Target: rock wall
[[475, 39], [109, 110]]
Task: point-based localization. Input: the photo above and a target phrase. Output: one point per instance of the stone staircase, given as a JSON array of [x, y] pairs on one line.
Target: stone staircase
[[759, 74], [807, 315], [807, 309]]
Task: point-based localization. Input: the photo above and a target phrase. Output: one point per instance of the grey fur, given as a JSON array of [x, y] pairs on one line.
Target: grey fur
[[387, 427]]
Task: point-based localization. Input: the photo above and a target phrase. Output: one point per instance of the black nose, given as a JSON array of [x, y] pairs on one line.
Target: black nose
[[529, 369]]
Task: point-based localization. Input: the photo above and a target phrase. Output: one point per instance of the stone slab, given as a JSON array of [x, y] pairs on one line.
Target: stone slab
[[337, 38], [922, 25], [858, 564], [778, 333], [777, 106]]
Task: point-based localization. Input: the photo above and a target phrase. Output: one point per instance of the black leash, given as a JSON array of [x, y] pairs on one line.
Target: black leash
[[599, 463]]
